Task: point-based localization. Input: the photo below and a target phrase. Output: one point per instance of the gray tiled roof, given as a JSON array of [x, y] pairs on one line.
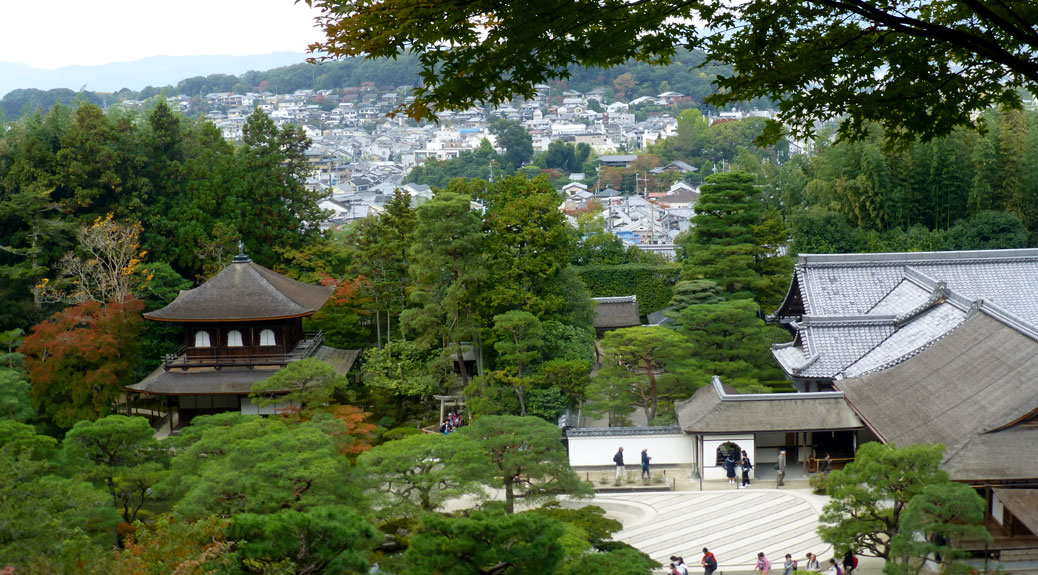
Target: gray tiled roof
[[865, 312], [909, 340], [853, 284], [839, 344], [621, 431], [905, 295]]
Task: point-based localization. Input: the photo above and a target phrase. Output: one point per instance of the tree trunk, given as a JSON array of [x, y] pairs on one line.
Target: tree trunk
[[653, 392], [519, 393], [378, 323], [509, 496]]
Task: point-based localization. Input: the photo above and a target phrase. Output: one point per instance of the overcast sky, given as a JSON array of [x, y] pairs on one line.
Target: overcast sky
[[60, 33]]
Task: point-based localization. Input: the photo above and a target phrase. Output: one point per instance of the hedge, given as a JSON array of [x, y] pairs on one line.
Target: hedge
[[652, 283]]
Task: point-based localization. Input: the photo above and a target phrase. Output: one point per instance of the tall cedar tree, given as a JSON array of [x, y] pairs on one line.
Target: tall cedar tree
[[528, 247], [273, 204], [447, 269], [721, 246]]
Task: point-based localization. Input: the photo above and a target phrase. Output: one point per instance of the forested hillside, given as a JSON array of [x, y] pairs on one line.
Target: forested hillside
[[686, 75]]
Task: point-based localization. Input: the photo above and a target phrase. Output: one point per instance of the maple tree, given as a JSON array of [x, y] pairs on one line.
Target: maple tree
[[80, 359], [358, 435]]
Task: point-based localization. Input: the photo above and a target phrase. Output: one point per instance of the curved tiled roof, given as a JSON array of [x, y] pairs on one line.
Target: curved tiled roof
[[855, 284], [867, 312], [242, 291]]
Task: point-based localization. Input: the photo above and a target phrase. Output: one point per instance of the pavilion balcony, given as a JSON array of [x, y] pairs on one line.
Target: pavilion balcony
[[244, 356]]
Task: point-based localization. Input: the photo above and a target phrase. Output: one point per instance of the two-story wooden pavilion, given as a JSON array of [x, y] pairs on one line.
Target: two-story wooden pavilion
[[240, 327]]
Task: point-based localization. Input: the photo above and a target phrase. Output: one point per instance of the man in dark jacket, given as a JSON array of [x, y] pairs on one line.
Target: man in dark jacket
[[618, 459]]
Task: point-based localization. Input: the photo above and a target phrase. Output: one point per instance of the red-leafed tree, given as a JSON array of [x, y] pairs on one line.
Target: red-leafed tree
[[80, 358], [359, 434]]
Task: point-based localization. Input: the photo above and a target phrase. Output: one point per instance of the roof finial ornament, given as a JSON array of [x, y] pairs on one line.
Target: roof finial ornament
[[241, 258]]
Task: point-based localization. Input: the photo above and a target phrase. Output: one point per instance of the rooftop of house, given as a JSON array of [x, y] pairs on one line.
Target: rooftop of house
[[972, 390], [859, 313], [717, 408], [242, 291], [616, 312]]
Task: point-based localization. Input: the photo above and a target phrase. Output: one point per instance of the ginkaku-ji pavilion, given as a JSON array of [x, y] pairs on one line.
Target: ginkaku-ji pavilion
[[240, 327]]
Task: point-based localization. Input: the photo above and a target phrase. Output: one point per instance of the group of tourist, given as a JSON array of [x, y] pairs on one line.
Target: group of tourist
[[452, 423], [731, 460], [849, 564], [763, 565], [621, 470], [678, 567]]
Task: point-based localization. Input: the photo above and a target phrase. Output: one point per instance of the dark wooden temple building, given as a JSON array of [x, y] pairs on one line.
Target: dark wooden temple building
[[240, 327]]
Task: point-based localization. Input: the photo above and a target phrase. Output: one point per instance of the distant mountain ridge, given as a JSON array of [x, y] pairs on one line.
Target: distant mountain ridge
[[138, 74]]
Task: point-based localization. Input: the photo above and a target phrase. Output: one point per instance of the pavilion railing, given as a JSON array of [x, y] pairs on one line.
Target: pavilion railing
[[244, 356]]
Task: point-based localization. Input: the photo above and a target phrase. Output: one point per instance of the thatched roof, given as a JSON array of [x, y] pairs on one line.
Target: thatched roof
[[229, 380], [244, 291], [1008, 455], [1023, 503], [978, 378], [721, 409], [616, 312]]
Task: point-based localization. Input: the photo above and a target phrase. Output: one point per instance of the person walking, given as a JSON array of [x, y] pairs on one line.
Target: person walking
[[679, 562], [746, 467], [789, 566], [833, 569], [781, 466], [827, 464], [729, 466], [850, 562], [709, 562], [812, 563], [763, 564], [618, 459], [645, 463]]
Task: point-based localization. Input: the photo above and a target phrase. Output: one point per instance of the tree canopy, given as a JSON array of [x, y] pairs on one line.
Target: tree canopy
[[874, 508], [919, 67]]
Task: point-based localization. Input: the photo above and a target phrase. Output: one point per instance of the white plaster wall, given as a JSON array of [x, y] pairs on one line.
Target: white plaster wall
[[710, 445], [663, 449]]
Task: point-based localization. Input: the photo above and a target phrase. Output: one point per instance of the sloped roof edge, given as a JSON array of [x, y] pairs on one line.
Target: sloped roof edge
[[908, 258], [245, 290]]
